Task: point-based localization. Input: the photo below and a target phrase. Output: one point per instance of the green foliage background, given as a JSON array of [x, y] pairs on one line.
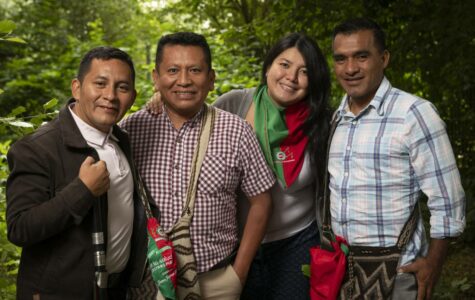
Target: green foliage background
[[432, 46]]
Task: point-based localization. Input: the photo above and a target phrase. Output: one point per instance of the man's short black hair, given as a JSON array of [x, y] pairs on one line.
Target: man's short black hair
[[103, 53], [353, 25], [183, 39]]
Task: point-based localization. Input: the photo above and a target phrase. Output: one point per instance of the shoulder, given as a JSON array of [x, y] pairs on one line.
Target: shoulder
[[231, 126], [137, 120], [235, 101], [405, 103], [39, 143]]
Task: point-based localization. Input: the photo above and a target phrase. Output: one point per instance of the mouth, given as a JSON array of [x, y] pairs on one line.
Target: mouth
[[185, 94], [288, 88], [109, 109], [353, 80]]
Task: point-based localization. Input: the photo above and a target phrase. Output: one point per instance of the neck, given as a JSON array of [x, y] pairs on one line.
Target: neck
[[178, 119]]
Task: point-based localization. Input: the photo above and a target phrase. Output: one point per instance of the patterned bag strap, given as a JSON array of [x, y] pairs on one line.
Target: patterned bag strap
[[409, 228], [209, 116]]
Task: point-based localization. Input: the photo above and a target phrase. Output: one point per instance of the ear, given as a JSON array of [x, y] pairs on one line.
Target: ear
[[385, 57], [76, 88], [156, 77], [212, 78]]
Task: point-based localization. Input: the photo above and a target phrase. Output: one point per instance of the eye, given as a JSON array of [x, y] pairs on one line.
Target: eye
[[362, 57], [172, 70], [100, 84], [124, 88], [338, 59], [195, 70], [303, 71], [284, 65]]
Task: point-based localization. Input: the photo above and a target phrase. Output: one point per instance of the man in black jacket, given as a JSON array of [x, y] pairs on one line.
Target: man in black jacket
[[72, 201]]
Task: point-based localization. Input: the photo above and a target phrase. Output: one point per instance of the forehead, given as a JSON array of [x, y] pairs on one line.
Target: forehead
[[293, 54], [183, 55], [362, 40], [114, 68]]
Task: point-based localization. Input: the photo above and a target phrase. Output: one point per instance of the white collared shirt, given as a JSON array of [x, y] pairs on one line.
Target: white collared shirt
[[120, 215]]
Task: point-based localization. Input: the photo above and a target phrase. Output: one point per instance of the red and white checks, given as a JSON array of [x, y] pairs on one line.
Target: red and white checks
[[233, 160]]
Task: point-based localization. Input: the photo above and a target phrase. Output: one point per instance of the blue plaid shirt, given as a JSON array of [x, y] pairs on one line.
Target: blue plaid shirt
[[380, 162]]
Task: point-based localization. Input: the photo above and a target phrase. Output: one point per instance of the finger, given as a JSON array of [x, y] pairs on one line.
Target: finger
[[88, 161], [102, 165], [421, 290], [429, 292], [410, 268]]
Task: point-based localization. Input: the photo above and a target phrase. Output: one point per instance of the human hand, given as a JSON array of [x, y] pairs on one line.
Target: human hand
[[242, 274], [95, 176], [155, 104], [426, 274]]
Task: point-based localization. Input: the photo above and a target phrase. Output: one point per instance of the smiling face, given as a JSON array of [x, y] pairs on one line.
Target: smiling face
[[359, 65], [184, 80], [105, 93], [287, 80]]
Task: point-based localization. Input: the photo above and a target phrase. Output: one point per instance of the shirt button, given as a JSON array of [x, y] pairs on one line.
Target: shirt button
[[178, 139], [343, 200], [176, 166], [348, 148], [343, 225], [346, 174], [176, 194]]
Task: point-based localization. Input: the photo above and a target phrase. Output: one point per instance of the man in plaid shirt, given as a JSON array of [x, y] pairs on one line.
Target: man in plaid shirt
[[163, 149], [389, 147]]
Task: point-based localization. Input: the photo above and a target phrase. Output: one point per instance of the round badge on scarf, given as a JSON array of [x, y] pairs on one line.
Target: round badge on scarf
[[280, 156]]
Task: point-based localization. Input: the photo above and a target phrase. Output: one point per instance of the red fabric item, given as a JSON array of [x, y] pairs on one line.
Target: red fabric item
[[295, 143], [161, 240], [327, 270]]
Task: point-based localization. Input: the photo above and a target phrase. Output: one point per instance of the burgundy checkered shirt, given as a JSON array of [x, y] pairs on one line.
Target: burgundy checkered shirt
[[233, 160]]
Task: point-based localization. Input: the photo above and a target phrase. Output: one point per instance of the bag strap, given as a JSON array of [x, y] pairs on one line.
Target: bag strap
[[209, 115], [323, 217]]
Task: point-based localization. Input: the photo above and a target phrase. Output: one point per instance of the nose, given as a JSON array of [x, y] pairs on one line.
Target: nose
[[292, 75], [351, 67], [184, 79], [110, 92]]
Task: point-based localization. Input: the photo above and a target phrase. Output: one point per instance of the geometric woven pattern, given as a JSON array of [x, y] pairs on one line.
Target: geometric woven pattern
[[373, 276]]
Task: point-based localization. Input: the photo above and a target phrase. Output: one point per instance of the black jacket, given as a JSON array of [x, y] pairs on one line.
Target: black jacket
[[49, 213]]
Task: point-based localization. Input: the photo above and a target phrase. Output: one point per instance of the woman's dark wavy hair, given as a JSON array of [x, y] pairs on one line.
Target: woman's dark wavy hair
[[318, 93]]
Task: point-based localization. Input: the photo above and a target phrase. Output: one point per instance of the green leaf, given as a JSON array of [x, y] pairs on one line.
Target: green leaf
[[21, 124], [7, 26], [15, 40], [306, 270], [17, 110], [50, 104], [1, 91]]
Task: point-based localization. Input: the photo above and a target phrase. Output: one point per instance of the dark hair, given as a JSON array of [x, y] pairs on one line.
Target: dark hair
[[183, 39], [318, 92], [353, 25], [103, 53]]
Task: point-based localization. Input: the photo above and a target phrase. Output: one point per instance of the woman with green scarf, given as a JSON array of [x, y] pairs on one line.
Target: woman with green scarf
[[290, 115]]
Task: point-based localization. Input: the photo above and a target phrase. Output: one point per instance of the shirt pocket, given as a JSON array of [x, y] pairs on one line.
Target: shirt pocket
[[219, 173]]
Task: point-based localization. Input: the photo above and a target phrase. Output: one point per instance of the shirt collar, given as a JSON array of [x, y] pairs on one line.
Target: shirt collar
[[191, 122], [377, 102], [91, 135]]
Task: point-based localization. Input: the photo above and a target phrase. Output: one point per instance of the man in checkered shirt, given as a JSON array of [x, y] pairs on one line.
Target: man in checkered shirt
[[389, 147], [163, 148]]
